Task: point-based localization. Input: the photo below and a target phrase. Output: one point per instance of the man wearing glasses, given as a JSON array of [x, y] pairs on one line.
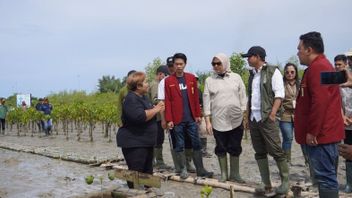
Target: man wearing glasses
[[266, 92]]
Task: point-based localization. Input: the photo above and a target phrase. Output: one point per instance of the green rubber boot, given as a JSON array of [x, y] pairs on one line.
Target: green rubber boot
[[176, 162], [189, 156], [181, 159], [266, 187], [284, 173], [235, 170], [288, 156], [198, 162], [223, 168], [159, 161]]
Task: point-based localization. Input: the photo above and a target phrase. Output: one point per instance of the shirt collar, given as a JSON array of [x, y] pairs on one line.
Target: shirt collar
[[259, 70]]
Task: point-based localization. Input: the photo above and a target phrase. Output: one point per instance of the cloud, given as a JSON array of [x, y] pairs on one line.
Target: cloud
[[93, 38]]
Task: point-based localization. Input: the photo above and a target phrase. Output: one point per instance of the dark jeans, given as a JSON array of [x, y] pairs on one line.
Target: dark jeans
[[228, 142], [191, 128], [266, 140], [323, 160], [2, 124], [348, 139], [188, 143], [139, 159]]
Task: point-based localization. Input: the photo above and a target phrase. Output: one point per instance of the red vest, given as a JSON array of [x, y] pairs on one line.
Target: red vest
[[173, 98], [318, 109]]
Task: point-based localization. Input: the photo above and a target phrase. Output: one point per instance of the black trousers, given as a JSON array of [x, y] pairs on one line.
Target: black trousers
[[348, 139], [228, 142], [2, 124], [188, 141], [139, 159], [160, 136]]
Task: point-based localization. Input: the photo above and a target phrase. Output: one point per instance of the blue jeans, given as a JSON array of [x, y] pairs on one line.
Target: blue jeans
[[287, 135], [323, 160], [191, 128]]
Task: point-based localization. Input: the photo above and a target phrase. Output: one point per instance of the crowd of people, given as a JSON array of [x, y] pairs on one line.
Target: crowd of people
[[318, 116]]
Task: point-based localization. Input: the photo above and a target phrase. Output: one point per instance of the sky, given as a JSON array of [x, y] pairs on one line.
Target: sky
[[47, 46]]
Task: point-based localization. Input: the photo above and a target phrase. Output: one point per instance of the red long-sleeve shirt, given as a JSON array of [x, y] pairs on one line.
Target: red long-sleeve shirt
[[318, 109]]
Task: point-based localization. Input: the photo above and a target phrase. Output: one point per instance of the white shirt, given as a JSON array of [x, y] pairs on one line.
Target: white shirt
[[277, 86], [161, 89]]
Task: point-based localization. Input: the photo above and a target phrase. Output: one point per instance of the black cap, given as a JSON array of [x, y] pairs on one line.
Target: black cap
[[255, 50], [170, 61], [163, 69]]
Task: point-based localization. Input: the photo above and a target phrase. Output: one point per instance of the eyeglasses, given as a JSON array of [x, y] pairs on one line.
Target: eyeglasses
[[289, 72], [216, 63]]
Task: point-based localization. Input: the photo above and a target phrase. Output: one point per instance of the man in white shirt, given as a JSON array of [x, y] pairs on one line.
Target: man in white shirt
[[266, 92]]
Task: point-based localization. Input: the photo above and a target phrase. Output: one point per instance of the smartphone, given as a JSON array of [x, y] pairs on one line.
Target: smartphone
[[332, 78]]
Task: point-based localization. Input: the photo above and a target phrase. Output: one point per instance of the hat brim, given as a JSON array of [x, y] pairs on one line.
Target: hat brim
[[245, 55]]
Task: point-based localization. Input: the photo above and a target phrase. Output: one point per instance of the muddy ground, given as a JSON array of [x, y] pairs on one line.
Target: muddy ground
[[30, 175]]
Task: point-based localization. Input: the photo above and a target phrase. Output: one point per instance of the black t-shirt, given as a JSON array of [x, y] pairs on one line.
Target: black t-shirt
[[187, 114], [136, 131]]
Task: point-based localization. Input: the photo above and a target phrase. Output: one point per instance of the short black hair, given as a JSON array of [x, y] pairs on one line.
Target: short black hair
[[131, 72], [313, 40], [341, 57], [181, 56]]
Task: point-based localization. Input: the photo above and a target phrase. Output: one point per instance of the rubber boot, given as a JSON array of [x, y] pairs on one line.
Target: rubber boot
[[198, 162], [327, 193], [348, 188], [288, 156], [204, 148], [189, 157], [159, 161], [263, 166], [223, 168], [284, 173], [235, 170], [181, 159], [176, 162]]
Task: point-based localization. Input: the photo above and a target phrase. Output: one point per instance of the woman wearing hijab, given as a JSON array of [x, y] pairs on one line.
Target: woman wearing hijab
[[225, 101], [138, 133]]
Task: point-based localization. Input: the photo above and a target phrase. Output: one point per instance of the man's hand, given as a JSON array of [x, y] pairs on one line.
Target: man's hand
[[198, 120], [160, 106], [311, 140], [349, 80], [345, 120], [170, 125], [163, 124], [272, 116], [349, 120], [345, 151], [209, 128]]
